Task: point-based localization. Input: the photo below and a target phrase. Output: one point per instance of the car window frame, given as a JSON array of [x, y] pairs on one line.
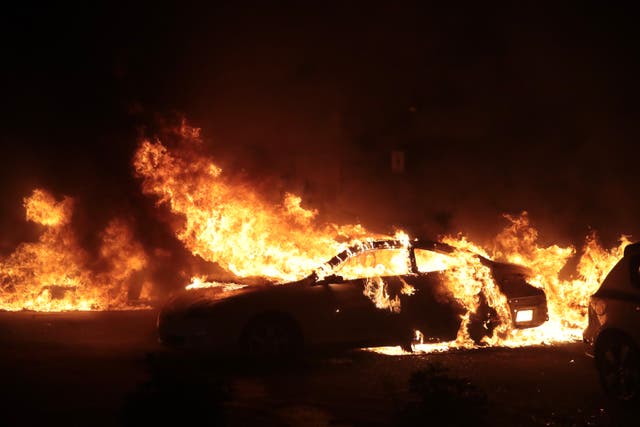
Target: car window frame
[[409, 253], [326, 272]]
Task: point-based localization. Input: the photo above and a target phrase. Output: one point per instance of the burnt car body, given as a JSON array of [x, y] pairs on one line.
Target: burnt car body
[[327, 310], [612, 336]]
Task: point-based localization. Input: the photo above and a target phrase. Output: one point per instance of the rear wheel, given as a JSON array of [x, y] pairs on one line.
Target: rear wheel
[[618, 363], [271, 337]]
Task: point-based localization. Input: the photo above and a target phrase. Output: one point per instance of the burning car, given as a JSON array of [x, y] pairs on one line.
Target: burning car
[[612, 336], [372, 294]]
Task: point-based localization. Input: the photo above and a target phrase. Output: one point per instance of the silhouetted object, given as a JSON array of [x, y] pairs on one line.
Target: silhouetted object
[[364, 308], [177, 394], [613, 333], [441, 399]]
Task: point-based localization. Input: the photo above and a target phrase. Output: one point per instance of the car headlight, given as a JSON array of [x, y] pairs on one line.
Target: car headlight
[[524, 316]]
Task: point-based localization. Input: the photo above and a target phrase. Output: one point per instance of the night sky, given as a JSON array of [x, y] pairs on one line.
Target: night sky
[[497, 108]]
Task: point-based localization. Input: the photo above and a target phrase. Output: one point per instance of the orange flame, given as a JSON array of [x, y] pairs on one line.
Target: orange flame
[[567, 298], [232, 225], [467, 278], [42, 208], [52, 274]]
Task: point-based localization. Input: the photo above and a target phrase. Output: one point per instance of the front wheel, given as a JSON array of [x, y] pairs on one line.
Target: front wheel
[[618, 363]]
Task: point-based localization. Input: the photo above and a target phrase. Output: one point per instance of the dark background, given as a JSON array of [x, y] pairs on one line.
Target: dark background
[[497, 108]]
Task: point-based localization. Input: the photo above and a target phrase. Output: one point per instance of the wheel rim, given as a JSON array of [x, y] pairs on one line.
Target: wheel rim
[[620, 371]]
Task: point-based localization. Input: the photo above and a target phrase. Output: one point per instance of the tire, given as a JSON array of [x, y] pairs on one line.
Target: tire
[[271, 337], [618, 363]]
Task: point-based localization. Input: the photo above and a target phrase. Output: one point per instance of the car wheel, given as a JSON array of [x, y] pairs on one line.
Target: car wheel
[[618, 364], [271, 337]]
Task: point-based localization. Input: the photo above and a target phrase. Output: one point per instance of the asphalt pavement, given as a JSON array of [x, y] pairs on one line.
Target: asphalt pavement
[[106, 369]]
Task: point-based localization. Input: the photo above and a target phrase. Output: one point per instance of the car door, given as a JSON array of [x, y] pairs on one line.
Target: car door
[[359, 319], [366, 303], [432, 308]]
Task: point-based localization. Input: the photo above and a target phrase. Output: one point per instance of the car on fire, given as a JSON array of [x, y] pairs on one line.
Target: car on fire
[[612, 336], [335, 306]]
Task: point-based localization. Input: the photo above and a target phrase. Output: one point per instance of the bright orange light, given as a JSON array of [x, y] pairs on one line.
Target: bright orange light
[[230, 224], [53, 273]]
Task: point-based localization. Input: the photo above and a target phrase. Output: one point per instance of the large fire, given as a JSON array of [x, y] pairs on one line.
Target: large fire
[[55, 274], [231, 224], [225, 221]]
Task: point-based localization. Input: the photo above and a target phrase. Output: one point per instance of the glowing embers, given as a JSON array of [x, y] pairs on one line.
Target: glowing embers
[[53, 273]]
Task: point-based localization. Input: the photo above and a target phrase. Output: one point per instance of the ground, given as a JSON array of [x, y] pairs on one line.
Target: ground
[[105, 369]]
